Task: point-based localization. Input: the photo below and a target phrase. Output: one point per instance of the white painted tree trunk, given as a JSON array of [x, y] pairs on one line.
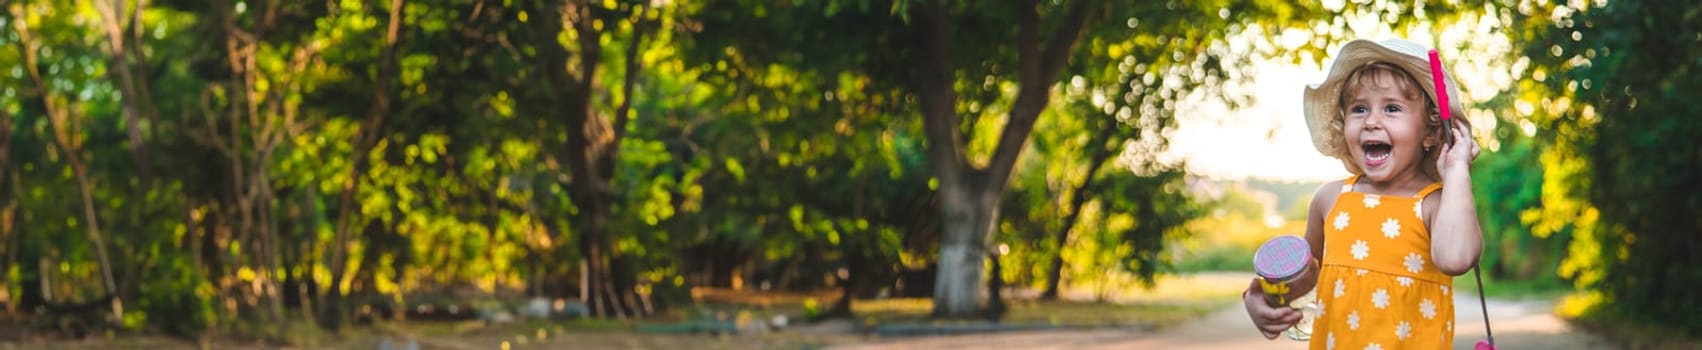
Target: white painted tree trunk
[[969, 217]]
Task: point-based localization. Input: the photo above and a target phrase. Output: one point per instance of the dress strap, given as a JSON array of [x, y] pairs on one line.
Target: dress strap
[[1347, 185], [1427, 189], [1419, 208]]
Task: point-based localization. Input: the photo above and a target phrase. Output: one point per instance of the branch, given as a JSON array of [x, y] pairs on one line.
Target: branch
[[5, 146], [1028, 40], [1101, 156], [633, 63], [58, 120], [135, 100], [1036, 87], [595, 129], [55, 115], [1063, 40], [368, 135], [209, 136], [938, 97]]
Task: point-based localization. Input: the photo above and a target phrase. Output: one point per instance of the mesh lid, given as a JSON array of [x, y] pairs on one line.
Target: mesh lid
[[1282, 257]]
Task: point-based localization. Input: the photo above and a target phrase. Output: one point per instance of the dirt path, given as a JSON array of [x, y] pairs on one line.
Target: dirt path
[[1518, 325]]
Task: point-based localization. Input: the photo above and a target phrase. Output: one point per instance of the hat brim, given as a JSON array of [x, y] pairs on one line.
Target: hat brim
[[1321, 100]]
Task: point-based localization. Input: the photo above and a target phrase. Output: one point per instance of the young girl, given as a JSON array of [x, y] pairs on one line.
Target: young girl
[[1394, 234]]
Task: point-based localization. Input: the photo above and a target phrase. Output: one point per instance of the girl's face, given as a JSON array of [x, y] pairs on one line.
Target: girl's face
[[1385, 125]]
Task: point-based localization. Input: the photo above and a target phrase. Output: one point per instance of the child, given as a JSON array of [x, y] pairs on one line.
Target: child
[[1394, 234]]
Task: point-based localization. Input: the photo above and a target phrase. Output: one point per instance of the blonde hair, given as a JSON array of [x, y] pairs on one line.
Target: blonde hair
[[1383, 74]]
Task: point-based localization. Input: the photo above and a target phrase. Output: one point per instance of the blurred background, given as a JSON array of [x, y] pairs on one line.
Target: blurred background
[[791, 173]]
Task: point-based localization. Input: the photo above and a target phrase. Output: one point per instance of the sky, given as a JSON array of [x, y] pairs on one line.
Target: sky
[[1265, 139]]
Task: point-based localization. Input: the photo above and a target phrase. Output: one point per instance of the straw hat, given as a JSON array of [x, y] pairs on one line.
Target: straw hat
[[1322, 99]]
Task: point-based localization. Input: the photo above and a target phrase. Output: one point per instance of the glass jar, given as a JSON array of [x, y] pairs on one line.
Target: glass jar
[[1283, 262]]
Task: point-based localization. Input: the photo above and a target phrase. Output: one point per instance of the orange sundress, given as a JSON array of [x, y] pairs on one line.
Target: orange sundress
[[1378, 288]]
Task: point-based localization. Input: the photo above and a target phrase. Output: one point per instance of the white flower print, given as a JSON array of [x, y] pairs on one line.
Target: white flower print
[[1391, 228], [1360, 272], [1353, 320], [1380, 298], [1373, 346], [1404, 280], [1361, 250], [1415, 263], [1340, 288], [1372, 200], [1320, 307], [1330, 341], [1418, 208], [1444, 290], [1450, 326], [1427, 308], [1341, 221], [1403, 330]]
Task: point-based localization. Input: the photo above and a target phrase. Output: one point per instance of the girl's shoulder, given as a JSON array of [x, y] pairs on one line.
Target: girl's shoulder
[[1325, 196], [1429, 203]]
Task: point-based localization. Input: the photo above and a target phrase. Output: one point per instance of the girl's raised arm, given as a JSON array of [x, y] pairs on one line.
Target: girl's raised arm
[[1455, 236]]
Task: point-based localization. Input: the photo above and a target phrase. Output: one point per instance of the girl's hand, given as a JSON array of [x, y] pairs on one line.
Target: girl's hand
[[1271, 321], [1459, 154]]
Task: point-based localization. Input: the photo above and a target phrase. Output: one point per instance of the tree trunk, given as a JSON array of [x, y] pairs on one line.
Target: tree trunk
[[126, 60], [1078, 197], [136, 100], [9, 243], [270, 261], [970, 195], [65, 140], [333, 306], [598, 289], [590, 149], [491, 221], [86, 188], [969, 218], [995, 288]]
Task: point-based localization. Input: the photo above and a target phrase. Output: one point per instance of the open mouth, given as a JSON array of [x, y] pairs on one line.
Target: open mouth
[[1376, 152]]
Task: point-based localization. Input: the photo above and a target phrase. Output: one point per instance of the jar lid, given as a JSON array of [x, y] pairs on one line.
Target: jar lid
[[1282, 258]]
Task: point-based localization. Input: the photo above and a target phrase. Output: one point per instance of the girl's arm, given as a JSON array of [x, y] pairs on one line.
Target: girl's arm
[[1271, 321], [1322, 200], [1455, 238]]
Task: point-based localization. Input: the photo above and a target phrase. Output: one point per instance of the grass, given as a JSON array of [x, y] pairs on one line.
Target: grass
[[1639, 336], [1174, 299], [1217, 258], [1227, 243], [1065, 313], [1585, 310], [1514, 289]]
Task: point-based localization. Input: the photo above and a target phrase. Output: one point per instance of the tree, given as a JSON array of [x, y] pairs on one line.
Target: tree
[[371, 127], [1609, 87], [593, 139], [123, 28], [65, 118], [1120, 102], [970, 66], [970, 194]]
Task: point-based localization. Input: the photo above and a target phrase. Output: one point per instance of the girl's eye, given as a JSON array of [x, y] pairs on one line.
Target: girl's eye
[[1357, 109], [1392, 109]]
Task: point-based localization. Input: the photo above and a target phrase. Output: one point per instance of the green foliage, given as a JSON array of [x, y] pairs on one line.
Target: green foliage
[[1510, 182], [752, 147], [1604, 95]]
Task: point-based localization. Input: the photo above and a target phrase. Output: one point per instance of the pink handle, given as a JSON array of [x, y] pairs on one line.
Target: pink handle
[[1441, 89]]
